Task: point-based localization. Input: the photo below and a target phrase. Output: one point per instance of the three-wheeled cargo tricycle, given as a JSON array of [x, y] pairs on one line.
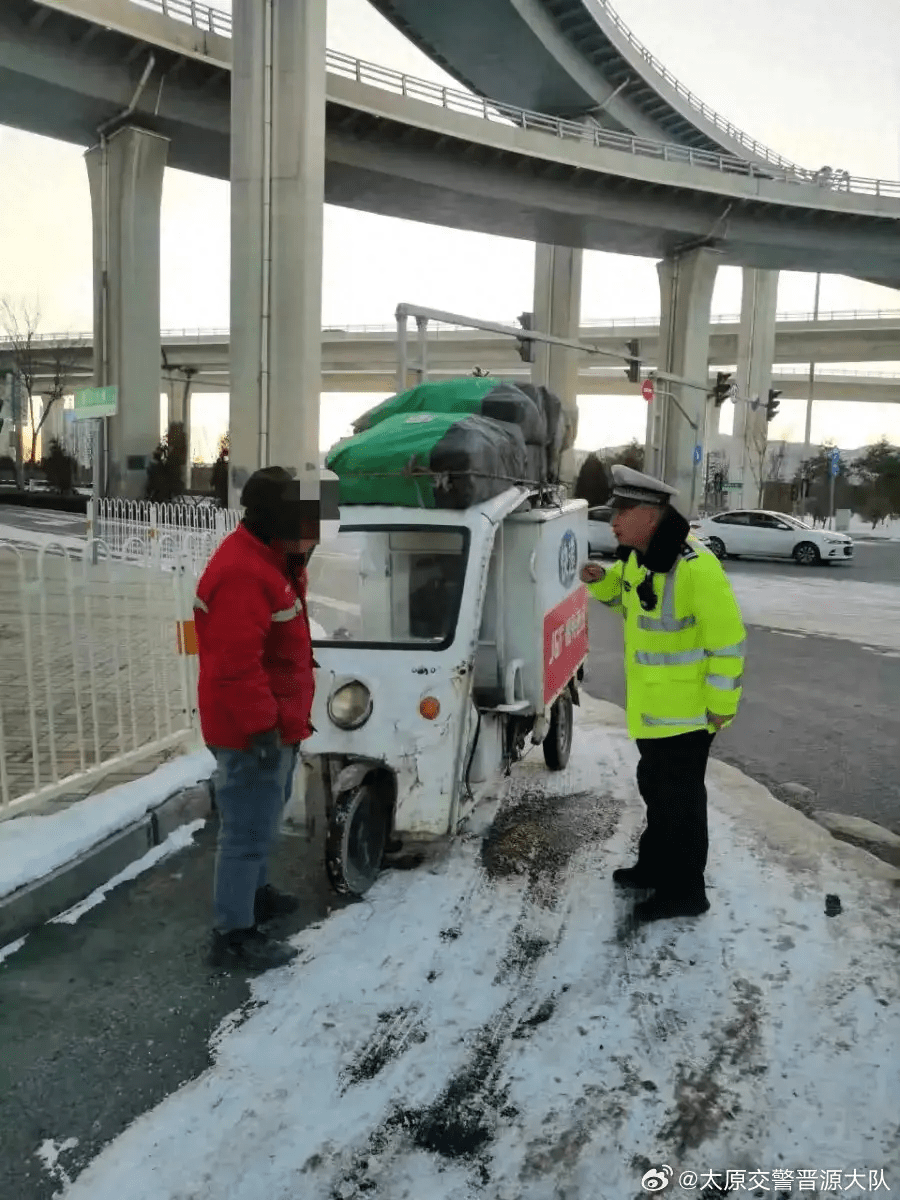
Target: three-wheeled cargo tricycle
[[444, 639]]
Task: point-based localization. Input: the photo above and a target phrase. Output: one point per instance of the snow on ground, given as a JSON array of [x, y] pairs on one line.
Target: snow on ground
[[888, 531], [33, 846], [867, 613], [178, 839], [474, 1030]]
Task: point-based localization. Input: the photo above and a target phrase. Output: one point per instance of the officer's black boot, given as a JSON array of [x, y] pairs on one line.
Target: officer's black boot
[[249, 949], [633, 877], [665, 905]]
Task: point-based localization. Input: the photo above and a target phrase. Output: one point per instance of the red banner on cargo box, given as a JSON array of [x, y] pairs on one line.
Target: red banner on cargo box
[[565, 642]]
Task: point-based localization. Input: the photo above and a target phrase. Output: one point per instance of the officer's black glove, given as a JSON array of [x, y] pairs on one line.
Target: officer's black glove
[[266, 749]]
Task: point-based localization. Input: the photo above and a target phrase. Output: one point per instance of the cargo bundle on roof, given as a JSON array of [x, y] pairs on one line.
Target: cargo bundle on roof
[[452, 444]]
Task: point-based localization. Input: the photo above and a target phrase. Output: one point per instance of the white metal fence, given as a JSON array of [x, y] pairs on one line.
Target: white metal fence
[[91, 679], [161, 535], [97, 647]]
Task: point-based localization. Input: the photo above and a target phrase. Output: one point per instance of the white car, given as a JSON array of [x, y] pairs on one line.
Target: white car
[[755, 533], [602, 541]]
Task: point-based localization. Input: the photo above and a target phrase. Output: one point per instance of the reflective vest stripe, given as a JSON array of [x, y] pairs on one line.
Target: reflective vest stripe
[[614, 603], [288, 614], [675, 658], [724, 682], [691, 722], [667, 622], [735, 651]]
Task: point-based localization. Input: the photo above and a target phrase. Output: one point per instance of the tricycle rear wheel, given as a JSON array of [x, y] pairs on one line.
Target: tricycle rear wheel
[[558, 742], [356, 840]]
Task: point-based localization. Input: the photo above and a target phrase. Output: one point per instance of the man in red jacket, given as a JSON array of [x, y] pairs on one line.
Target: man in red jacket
[[255, 694]]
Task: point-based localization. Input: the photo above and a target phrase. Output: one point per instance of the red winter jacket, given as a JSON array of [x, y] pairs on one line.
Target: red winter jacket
[[256, 660]]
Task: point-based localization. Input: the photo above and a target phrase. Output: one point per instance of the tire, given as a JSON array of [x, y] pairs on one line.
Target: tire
[[717, 546], [807, 555], [557, 745], [356, 840]]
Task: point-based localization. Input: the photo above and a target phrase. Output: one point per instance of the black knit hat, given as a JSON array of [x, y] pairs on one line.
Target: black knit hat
[[273, 507]]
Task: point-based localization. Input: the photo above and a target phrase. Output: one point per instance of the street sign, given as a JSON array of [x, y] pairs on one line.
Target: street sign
[[731, 487], [733, 391], [91, 403], [647, 390], [698, 455], [835, 463]]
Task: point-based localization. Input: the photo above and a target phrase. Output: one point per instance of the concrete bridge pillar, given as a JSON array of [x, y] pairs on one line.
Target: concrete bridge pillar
[[756, 353], [125, 173], [179, 386], [557, 311], [277, 213], [677, 416]]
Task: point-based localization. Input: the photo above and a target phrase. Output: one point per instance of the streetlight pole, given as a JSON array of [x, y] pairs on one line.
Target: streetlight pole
[[807, 438]]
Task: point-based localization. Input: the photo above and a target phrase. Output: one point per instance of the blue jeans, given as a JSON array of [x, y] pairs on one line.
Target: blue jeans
[[250, 801]]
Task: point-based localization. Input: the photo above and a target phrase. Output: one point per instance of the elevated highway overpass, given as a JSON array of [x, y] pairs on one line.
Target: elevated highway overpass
[[364, 358], [633, 165], [407, 148], [571, 58]]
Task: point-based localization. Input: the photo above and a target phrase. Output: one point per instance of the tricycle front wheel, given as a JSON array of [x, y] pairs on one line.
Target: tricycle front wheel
[[558, 742], [356, 840]]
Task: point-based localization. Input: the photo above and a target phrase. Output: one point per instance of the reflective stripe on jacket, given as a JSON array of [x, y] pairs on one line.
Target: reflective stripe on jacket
[[256, 660], [684, 658]]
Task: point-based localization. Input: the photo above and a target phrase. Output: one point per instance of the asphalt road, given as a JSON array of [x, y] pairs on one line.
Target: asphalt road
[[816, 711], [101, 1020]]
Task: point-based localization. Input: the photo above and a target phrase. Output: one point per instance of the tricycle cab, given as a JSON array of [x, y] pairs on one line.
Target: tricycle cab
[[442, 637]]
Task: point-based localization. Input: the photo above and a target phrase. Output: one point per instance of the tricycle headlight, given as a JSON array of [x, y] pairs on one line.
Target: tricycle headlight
[[350, 705]]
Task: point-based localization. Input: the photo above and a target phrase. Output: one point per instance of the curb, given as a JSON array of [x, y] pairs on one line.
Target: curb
[[866, 835], [23, 910]]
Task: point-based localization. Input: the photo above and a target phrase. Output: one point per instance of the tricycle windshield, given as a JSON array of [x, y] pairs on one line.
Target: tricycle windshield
[[396, 586]]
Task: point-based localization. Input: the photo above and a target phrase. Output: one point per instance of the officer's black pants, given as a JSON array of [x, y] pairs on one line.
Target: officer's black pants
[[671, 779]]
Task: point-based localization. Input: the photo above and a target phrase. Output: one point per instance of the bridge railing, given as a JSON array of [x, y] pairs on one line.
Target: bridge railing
[[209, 19], [85, 340], [750, 144]]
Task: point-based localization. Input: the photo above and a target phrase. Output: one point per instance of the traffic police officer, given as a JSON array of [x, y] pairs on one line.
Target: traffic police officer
[[684, 659]]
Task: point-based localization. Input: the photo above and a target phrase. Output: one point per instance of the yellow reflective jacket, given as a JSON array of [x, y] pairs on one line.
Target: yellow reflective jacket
[[684, 656]]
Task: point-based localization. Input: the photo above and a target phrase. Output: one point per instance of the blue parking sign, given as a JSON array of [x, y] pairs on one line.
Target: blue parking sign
[[698, 455], [835, 462]]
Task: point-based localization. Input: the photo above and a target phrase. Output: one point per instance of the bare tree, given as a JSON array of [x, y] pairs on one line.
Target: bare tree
[[33, 361], [775, 463], [756, 444]]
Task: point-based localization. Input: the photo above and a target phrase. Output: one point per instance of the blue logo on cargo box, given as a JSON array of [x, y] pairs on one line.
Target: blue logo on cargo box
[[568, 558]]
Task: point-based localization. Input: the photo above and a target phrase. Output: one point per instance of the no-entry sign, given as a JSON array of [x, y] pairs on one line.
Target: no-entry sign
[[647, 390]]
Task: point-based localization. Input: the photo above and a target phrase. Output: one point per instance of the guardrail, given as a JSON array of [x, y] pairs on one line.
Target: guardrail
[[710, 114], [387, 79], [74, 340]]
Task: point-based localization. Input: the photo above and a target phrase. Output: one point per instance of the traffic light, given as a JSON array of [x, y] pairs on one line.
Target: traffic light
[[526, 345], [722, 390], [772, 406], [633, 370]]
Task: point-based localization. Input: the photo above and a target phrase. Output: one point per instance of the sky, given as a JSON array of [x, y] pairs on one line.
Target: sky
[[818, 92]]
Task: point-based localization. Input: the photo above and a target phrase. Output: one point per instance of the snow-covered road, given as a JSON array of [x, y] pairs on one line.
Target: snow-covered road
[[867, 613], [494, 1026]]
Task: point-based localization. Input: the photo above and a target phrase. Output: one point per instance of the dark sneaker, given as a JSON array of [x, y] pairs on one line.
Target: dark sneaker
[[634, 877], [270, 903], [661, 908], [249, 949]]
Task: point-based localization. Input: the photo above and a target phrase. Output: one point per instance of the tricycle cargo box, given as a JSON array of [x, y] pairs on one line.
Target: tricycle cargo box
[[430, 460]]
